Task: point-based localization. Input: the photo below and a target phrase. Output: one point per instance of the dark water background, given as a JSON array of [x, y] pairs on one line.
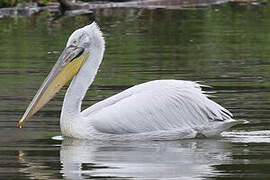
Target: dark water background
[[226, 46]]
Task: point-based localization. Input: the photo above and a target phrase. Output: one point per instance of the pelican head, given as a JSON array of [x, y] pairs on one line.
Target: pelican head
[[67, 66]]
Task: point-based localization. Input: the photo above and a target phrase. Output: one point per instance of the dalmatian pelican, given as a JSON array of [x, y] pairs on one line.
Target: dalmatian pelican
[[155, 110]]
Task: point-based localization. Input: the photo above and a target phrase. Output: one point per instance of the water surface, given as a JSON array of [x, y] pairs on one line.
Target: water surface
[[225, 46]]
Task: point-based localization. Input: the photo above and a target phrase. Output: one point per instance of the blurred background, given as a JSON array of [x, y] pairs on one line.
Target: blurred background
[[222, 44]]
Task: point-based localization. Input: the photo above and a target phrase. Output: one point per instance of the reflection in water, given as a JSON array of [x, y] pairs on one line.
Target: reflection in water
[[248, 137], [227, 46], [36, 168], [83, 159], [194, 158]]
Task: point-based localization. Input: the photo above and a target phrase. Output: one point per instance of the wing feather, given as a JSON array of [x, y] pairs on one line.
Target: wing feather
[[156, 105]]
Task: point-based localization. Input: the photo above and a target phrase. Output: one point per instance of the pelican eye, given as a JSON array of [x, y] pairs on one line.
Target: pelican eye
[[75, 42]]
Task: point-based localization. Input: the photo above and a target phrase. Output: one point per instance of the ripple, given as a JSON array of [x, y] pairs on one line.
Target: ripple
[[262, 136], [58, 138]]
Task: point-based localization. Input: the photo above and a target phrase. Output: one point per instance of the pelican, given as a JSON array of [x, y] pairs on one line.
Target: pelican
[[155, 110]]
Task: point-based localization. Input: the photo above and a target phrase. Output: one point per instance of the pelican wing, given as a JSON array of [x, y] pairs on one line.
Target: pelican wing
[[156, 105]]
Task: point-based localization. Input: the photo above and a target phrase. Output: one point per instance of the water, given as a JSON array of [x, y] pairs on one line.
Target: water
[[225, 46]]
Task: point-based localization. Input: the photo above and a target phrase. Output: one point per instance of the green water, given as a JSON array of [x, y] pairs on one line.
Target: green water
[[225, 46]]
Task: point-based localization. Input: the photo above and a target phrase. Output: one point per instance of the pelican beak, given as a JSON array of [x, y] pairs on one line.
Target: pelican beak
[[66, 67]]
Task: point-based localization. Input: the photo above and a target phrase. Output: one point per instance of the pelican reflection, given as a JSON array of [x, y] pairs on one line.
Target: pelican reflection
[[83, 159]]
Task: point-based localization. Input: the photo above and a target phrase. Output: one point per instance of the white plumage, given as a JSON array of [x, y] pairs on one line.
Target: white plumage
[[156, 110], [154, 106]]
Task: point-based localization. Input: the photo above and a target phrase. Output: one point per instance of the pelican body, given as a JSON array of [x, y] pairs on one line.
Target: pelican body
[[155, 110]]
